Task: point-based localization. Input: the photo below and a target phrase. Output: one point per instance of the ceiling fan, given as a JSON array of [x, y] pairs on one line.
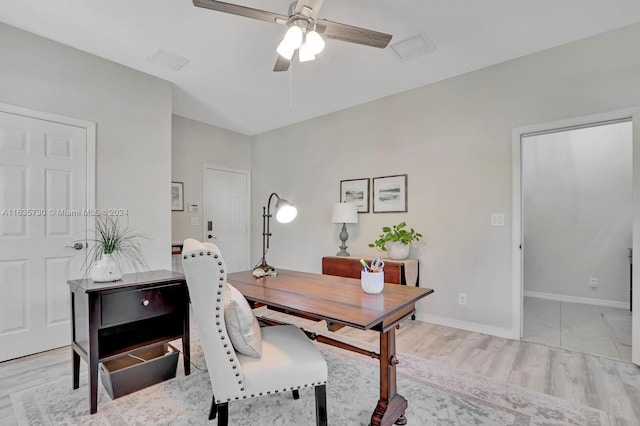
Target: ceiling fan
[[304, 34]]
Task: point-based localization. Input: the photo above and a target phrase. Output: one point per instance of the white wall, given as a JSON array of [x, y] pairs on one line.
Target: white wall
[[453, 139], [133, 115], [577, 212], [194, 145]]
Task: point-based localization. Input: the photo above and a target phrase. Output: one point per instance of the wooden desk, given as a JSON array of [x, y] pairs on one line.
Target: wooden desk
[[341, 300], [115, 318]]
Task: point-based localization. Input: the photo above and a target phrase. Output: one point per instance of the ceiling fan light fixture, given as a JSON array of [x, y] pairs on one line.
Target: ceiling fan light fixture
[[314, 41], [305, 53], [293, 37], [284, 50]]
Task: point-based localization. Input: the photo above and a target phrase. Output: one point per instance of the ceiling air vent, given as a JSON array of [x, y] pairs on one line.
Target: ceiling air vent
[[168, 60], [413, 47]]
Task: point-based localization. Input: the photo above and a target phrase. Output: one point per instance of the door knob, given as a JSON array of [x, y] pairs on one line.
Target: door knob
[[78, 246], [211, 237]]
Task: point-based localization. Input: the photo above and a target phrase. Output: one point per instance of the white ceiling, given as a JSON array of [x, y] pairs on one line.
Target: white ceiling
[[229, 80]]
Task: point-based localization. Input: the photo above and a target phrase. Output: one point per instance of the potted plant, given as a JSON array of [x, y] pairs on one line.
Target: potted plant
[[114, 245], [396, 240]]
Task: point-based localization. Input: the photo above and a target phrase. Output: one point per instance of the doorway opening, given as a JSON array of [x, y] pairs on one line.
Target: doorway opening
[[577, 230]]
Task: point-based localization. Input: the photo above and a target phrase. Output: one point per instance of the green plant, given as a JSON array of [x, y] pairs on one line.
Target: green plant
[[396, 233], [117, 239]]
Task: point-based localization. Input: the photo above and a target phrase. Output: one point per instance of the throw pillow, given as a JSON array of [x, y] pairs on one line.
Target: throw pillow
[[242, 324]]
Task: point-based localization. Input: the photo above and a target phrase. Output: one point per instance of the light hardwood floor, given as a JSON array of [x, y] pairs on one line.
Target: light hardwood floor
[[606, 384]]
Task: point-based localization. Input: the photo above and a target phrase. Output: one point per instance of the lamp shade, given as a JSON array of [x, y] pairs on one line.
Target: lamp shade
[[345, 213], [305, 54], [285, 211], [315, 42]]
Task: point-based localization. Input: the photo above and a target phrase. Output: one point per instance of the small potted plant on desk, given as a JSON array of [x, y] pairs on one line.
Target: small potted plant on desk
[[114, 245], [396, 240]]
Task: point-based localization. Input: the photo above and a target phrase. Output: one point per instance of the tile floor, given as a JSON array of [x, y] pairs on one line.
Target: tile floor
[[589, 329]]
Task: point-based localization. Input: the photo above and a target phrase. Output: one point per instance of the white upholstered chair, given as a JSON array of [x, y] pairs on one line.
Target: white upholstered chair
[[289, 361]]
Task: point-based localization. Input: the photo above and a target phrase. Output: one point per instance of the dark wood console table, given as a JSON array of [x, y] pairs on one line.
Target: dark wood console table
[[116, 318], [395, 271], [403, 272]]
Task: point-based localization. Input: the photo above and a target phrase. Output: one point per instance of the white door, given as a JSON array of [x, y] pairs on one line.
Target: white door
[[43, 195], [226, 222]]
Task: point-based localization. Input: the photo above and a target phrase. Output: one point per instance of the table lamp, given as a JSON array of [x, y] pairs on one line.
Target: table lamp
[[285, 213], [344, 213]]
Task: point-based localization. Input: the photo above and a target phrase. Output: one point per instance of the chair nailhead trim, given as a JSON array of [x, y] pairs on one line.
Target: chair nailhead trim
[[208, 253], [215, 256], [219, 263], [217, 315], [225, 345], [222, 271], [201, 254], [217, 308], [238, 374], [193, 255], [185, 256], [244, 396], [241, 389], [221, 278], [219, 330], [217, 322]]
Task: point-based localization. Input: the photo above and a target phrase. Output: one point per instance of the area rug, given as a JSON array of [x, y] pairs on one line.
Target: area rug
[[437, 395]]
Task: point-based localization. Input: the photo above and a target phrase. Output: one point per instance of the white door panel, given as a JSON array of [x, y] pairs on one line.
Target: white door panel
[[43, 197], [225, 215]]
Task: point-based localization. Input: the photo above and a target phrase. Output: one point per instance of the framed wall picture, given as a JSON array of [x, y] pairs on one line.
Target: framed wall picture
[[390, 194], [355, 191], [177, 196]]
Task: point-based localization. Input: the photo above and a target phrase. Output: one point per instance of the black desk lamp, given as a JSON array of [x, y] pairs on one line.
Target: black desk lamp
[[285, 213]]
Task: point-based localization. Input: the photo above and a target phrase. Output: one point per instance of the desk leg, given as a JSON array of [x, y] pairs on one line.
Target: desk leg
[[391, 406], [94, 321], [186, 340], [76, 368]]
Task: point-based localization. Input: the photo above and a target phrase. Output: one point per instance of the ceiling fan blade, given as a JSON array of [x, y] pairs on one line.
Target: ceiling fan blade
[[352, 34], [235, 9], [282, 64], [312, 6]]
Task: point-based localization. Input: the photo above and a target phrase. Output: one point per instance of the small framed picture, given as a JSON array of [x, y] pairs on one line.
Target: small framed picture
[[355, 191], [390, 194], [177, 196]]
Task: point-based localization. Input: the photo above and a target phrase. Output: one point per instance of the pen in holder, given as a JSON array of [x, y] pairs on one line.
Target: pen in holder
[[372, 282]]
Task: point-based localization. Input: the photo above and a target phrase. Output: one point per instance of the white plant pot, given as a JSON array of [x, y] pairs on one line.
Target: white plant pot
[[397, 250], [106, 269]]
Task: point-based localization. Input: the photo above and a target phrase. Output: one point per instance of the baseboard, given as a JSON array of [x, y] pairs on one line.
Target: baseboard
[[575, 299], [506, 333]]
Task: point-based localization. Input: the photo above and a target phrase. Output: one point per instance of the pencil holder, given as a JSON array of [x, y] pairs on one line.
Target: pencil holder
[[372, 282]]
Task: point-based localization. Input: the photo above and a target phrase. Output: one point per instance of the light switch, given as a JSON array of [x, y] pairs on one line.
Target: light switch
[[195, 221], [497, 219]]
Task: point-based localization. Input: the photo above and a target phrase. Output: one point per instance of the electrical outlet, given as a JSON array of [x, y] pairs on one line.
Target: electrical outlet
[[462, 299], [593, 282]]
